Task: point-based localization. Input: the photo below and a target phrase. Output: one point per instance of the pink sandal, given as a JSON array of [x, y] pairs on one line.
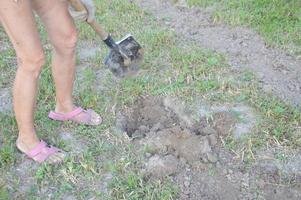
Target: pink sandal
[[86, 120], [42, 151]]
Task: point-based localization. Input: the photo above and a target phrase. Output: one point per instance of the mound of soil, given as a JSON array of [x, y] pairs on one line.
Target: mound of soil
[[193, 155], [156, 125]]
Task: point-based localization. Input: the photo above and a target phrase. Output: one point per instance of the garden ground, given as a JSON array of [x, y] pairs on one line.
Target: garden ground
[[212, 114]]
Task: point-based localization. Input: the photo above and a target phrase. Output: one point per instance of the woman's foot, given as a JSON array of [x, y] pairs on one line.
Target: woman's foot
[[78, 115], [39, 151]]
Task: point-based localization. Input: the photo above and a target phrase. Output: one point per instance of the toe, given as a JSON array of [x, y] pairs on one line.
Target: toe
[[96, 118], [52, 159], [56, 158], [62, 156]]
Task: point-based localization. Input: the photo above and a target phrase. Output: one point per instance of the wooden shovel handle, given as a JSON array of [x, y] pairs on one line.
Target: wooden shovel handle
[[78, 6]]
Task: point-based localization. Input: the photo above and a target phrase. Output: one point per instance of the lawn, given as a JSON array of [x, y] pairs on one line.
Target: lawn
[[278, 21]]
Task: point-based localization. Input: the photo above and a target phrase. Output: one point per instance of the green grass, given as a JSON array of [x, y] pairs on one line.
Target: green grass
[[278, 21], [192, 74]]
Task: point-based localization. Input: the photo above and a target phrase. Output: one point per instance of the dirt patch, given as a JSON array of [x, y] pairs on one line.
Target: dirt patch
[[238, 119], [278, 72], [88, 50], [5, 100], [22, 177], [4, 44], [73, 143], [191, 152]]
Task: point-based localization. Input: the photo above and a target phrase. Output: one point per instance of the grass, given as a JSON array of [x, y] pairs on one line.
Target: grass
[[278, 21], [188, 72]]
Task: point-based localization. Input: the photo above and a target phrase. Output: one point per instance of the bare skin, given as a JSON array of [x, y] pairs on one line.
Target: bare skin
[[18, 20]]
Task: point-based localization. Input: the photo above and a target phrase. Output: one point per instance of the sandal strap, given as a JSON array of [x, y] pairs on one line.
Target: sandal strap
[[73, 113], [35, 151], [88, 116], [41, 152], [65, 117], [45, 153]]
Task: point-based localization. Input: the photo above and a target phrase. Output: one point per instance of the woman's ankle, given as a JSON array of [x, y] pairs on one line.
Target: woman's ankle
[[65, 107], [27, 141]]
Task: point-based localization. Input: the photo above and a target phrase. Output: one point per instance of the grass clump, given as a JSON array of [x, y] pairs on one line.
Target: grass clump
[[278, 21]]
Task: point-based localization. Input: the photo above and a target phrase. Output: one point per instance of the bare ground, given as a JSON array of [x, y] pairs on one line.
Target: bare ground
[[5, 100], [193, 153], [278, 72]]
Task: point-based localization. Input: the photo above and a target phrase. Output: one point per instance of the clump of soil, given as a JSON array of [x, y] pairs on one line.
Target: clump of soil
[[191, 152], [155, 125]]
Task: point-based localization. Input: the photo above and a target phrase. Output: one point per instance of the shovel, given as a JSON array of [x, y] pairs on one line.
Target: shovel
[[125, 55]]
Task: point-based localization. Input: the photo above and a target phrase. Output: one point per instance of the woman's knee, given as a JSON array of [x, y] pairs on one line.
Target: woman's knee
[[31, 62], [66, 41]]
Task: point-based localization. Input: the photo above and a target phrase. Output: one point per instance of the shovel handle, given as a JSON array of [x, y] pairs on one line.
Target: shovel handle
[[78, 6]]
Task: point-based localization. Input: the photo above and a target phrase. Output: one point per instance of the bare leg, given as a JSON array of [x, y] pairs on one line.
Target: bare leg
[[19, 23], [62, 32], [63, 36]]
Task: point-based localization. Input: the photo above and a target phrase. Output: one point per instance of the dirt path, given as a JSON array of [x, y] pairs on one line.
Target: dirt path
[[278, 72]]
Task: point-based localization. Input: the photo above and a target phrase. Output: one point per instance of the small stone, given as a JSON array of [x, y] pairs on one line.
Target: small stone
[[218, 165], [159, 166], [186, 184], [228, 177], [186, 192], [157, 127], [208, 131], [143, 129], [204, 159], [212, 140], [167, 23], [268, 88], [230, 171], [260, 183], [291, 87], [194, 33], [261, 76], [182, 160], [184, 196], [137, 134], [206, 148], [212, 157], [244, 44], [148, 155], [244, 184]]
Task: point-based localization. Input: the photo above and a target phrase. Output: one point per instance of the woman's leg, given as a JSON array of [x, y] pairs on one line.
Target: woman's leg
[[63, 35], [19, 23]]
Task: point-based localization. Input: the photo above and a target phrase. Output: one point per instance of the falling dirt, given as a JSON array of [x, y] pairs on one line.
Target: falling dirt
[[278, 72], [192, 153]]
